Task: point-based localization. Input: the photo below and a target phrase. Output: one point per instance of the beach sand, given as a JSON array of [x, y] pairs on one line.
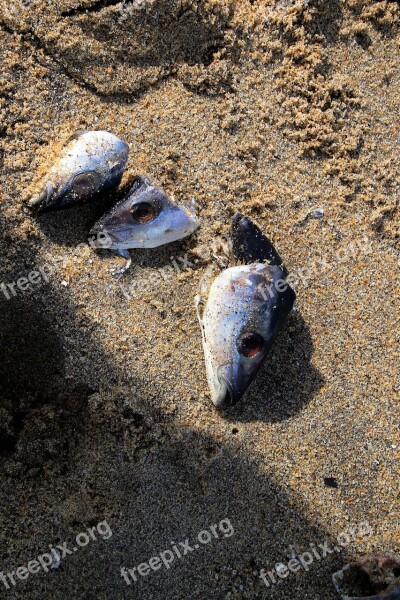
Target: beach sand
[[275, 109]]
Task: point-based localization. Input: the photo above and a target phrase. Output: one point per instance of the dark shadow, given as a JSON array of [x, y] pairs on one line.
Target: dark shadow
[[145, 45], [30, 351], [175, 32], [99, 446], [174, 256], [71, 226], [41, 412], [287, 381], [319, 18], [326, 19], [151, 41]]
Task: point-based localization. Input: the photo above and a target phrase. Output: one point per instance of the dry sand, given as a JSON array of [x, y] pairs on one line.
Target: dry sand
[[273, 108]]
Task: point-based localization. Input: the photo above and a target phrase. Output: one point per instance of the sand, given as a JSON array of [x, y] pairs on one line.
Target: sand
[[274, 109]]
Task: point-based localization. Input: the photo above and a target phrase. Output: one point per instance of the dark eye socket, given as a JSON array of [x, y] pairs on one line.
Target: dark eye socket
[[250, 343], [143, 212], [84, 184]]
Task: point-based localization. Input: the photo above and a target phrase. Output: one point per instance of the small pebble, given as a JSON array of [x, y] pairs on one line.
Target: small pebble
[[330, 482], [317, 213]]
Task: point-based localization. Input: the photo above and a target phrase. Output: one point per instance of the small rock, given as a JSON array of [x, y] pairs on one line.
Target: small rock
[[330, 482], [318, 213]]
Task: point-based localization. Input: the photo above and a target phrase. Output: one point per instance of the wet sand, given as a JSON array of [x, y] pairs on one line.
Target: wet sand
[[274, 109]]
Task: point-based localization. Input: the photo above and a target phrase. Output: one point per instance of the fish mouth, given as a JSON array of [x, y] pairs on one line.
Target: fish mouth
[[183, 220], [41, 202], [231, 383], [102, 238], [189, 208], [225, 395], [230, 391]]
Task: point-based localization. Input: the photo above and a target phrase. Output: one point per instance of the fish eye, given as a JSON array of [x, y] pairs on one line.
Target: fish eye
[[250, 343], [143, 212], [84, 184]]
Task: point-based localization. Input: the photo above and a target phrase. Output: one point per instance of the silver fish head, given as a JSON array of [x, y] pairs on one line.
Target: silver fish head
[[246, 307], [146, 218], [92, 162]]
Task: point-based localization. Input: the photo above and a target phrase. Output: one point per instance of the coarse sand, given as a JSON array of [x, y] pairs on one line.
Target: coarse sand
[[287, 111]]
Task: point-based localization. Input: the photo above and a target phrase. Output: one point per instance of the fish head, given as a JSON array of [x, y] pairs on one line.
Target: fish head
[[146, 218], [246, 307], [92, 162]]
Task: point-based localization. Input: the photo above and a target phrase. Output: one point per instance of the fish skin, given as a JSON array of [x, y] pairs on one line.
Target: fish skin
[[170, 223], [250, 301], [91, 163]]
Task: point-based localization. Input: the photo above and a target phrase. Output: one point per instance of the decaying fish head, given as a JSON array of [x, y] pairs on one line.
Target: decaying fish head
[[246, 308], [146, 218], [92, 162], [370, 577], [244, 312]]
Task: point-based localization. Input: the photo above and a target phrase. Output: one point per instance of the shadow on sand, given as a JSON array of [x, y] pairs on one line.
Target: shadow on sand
[[76, 452]]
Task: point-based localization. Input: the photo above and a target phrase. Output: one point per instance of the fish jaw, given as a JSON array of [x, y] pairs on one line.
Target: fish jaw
[[227, 383], [238, 305], [250, 245]]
